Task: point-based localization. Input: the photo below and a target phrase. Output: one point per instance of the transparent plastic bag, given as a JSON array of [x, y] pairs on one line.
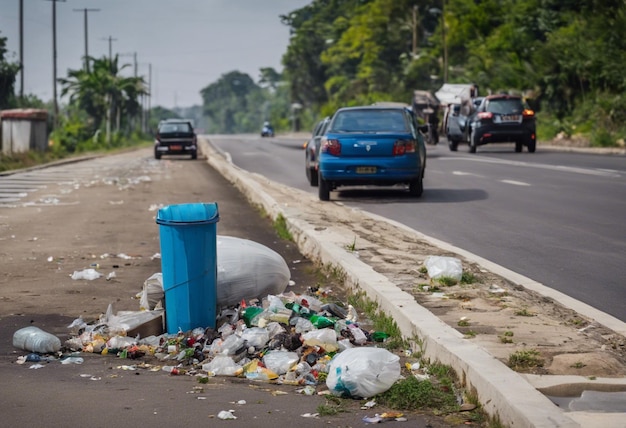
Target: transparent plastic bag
[[222, 365], [256, 336], [280, 362], [362, 372], [35, 339], [439, 266]]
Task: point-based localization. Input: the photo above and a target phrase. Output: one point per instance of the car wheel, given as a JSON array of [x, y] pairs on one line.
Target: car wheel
[[518, 147], [194, 155], [323, 189], [532, 146], [416, 187], [157, 155], [472, 142], [453, 145]]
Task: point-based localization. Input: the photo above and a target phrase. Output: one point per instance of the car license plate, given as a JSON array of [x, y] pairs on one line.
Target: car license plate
[[366, 170], [176, 147], [510, 118]]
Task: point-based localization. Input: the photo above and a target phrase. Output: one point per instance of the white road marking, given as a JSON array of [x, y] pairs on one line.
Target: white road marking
[[517, 183], [577, 170]]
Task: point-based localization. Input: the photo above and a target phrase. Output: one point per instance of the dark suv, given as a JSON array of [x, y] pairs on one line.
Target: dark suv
[[502, 119], [312, 150], [175, 137]]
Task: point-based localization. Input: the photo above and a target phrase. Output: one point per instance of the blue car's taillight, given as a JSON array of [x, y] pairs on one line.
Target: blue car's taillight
[[331, 146]]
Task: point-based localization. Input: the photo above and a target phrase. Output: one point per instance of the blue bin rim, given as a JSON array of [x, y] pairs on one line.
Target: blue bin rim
[[214, 218], [187, 223]]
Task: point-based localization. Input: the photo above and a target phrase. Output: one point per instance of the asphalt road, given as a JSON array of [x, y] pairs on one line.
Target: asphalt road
[[94, 212], [555, 217]]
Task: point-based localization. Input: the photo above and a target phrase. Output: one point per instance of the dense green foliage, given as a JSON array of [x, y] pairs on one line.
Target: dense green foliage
[[565, 56]]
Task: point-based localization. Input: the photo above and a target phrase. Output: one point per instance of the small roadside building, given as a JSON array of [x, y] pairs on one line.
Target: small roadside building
[[23, 130]]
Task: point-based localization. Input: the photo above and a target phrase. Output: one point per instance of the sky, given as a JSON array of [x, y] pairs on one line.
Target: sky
[[187, 44]]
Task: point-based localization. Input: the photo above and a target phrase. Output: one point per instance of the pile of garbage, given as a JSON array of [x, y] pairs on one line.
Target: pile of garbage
[[287, 339]]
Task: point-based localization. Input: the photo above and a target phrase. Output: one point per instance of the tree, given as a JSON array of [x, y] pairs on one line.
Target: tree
[[103, 93], [8, 71]]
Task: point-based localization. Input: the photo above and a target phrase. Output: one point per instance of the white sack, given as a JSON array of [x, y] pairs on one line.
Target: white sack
[[245, 270], [248, 270]]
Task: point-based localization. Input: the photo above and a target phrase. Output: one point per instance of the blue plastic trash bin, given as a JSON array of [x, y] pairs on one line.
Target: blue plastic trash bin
[[187, 235]]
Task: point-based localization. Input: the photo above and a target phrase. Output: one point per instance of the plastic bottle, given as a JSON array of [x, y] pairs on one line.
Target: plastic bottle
[[173, 370], [36, 340]]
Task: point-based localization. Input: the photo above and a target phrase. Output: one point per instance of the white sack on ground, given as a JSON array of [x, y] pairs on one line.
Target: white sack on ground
[[245, 270], [248, 270]]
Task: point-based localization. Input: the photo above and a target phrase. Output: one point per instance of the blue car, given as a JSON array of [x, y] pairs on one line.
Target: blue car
[[372, 145]]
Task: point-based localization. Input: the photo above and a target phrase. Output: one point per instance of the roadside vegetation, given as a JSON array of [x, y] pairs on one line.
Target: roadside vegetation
[[350, 52]]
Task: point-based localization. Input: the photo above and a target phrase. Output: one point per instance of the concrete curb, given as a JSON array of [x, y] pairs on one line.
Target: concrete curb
[[503, 393]]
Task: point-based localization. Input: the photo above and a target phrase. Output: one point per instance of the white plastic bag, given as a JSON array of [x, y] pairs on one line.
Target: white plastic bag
[[88, 274], [221, 365], [256, 336], [35, 339], [439, 266], [280, 361], [362, 372], [152, 292]]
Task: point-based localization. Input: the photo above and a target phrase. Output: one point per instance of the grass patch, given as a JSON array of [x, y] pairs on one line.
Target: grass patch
[[524, 313], [447, 281], [413, 394], [332, 406], [468, 278], [352, 247], [471, 333], [525, 359], [280, 225], [463, 322], [578, 365]]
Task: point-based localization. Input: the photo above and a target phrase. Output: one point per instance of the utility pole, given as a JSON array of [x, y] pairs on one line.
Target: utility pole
[[443, 36], [85, 10], [111, 40], [54, 61], [21, 49], [414, 31]]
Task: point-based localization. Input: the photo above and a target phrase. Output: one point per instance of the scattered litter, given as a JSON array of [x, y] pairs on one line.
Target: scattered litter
[[496, 290], [50, 259], [155, 256], [368, 405], [439, 266], [36, 366], [110, 276], [72, 360], [310, 415], [88, 274], [226, 414]]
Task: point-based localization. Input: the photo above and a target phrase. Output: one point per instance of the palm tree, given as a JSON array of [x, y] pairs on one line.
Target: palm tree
[[104, 94]]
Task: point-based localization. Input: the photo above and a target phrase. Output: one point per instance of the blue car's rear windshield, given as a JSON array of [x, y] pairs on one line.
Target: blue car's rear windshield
[[369, 121]]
